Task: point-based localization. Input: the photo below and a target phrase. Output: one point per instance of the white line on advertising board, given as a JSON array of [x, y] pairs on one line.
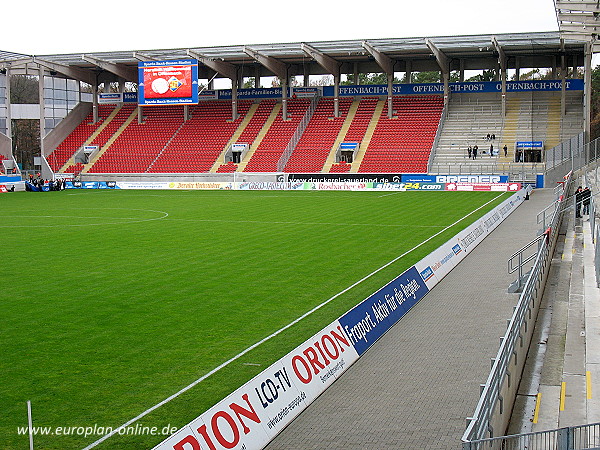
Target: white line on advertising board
[[279, 331]]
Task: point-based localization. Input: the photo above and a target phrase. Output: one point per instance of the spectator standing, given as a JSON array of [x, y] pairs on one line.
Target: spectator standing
[[585, 200], [578, 200], [475, 148]]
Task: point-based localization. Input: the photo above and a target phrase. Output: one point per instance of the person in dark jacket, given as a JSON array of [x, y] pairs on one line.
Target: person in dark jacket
[[585, 200], [578, 200]]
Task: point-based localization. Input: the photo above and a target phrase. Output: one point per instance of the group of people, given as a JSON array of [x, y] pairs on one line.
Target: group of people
[[473, 151], [39, 183], [582, 198]]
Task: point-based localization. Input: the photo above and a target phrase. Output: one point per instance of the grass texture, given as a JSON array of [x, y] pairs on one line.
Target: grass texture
[[114, 300]]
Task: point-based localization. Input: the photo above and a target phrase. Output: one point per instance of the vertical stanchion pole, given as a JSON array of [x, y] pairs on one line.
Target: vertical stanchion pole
[[30, 423]]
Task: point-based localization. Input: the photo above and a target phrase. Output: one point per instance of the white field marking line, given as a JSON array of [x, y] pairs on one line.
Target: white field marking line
[[307, 223], [282, 329], [163, 215], [385, 195]]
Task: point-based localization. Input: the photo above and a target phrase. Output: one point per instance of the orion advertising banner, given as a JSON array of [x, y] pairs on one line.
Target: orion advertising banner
[[168, 82], [256, 412]]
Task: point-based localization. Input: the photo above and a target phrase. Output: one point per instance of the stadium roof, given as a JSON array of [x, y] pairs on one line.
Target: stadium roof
[[580, 20], [470, 52]]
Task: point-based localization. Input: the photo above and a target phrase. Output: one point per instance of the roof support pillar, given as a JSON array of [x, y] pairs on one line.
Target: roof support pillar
[[444, 64], [234, 98], [336, 96], [356, 74], [284, 98], [257, 77], [461, 71], [390, 89], [42, 113], [95, 103], [278, 68], [408, 77], [331, 66], [563, 79], [306, 75], [387, 65], [8, 105], [503, 75], [587, 90], [517, 68]]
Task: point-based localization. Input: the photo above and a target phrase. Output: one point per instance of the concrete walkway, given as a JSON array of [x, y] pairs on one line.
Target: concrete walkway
[[417, 386], [561, 381]]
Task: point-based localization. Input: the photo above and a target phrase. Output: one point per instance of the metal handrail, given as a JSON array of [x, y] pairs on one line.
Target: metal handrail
[[438, 134], [289, 149], [519, 255], [568, 438], [480, 423], [541, 217]]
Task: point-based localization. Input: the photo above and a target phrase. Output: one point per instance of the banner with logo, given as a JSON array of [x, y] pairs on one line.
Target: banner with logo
[[256, 412]]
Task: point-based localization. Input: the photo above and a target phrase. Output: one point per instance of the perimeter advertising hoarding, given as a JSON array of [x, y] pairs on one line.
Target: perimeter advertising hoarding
[[441, 261], [168, 82], [256, 412]]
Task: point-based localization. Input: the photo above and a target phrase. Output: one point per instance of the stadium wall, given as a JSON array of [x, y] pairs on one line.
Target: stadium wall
[[65, 127], [255, 413]]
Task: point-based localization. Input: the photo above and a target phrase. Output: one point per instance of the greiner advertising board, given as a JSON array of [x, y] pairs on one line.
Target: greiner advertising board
[[168, 82]]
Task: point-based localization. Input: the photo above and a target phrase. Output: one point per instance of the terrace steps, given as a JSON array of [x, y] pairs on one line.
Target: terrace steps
[[341, 135], [112, 139], [260, 137], [71, 161], [360, 154], [242, 126]]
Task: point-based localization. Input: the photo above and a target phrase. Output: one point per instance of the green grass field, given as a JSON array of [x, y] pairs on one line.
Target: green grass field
[[114, 300]]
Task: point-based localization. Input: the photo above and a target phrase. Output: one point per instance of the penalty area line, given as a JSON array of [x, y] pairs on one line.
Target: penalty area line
[[275, 333]]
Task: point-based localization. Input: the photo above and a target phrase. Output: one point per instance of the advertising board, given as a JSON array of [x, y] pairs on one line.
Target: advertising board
[[256, 412], [168, 82]]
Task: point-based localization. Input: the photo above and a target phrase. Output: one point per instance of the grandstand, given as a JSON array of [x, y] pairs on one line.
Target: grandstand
[[296, 130], [395, 129]]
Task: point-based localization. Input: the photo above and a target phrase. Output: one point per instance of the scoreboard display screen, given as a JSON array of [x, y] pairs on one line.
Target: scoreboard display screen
[[168, 82]]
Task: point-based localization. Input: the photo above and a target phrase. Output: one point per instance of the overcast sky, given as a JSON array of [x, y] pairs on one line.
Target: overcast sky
[[73, 26]]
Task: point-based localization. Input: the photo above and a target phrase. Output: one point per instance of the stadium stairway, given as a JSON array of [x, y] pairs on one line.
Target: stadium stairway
[[553, 129], [110, 141], [561, 380], [242, 126], [260, 137], [340, 138], [360, 154], [508, 135], [71, 161]]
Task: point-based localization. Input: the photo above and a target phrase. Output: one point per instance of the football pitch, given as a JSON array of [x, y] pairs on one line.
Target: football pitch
[[113, 301]]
